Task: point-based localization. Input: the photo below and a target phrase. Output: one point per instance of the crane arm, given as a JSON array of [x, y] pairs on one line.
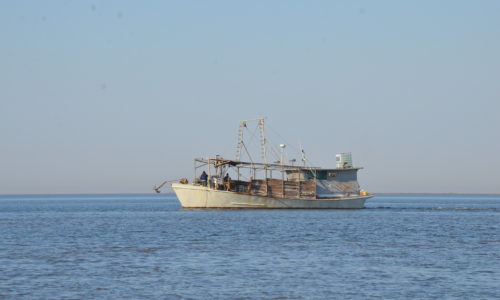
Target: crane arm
[[157, 188]]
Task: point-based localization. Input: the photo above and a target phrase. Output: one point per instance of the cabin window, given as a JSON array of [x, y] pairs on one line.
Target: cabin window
[[321, 174], [312, 174]]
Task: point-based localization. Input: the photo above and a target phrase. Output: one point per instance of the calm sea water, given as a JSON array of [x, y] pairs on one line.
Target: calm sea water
[[146, 246]]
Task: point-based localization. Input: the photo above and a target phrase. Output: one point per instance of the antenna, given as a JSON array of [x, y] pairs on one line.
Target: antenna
[[303, 153], [282, 146]]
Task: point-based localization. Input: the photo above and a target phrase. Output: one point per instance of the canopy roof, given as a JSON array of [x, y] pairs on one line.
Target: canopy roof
[[219, 162]]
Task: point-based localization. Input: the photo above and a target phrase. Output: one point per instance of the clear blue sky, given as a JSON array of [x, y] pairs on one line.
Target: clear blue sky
[[115, 96]]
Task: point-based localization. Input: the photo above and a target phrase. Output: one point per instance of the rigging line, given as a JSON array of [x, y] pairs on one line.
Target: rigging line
[[276, 155], [279, 135], [289, 144], [248, 153], [276, 152], [272, 147], [253, 135], [241, 139], [249, 140]]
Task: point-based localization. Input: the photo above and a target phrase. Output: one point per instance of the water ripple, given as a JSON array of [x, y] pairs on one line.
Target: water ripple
[[147, 247]]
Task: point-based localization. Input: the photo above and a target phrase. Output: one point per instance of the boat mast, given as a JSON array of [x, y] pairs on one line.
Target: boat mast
[[262, 141], [241, 143]]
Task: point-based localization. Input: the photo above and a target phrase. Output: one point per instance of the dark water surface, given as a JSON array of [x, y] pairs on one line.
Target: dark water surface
[[146, 246]]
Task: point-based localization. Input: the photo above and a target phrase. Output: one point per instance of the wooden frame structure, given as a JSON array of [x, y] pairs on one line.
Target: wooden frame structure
[[264, 187]]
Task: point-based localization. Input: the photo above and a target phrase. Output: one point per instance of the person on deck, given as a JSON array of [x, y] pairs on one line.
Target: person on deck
[[203, 178], [227, 182]]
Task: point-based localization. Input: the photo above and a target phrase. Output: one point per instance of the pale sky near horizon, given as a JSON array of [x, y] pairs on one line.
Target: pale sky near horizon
[[115, 96]]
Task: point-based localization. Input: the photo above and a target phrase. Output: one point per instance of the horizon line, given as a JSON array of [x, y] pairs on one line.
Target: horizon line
[[172, 193]]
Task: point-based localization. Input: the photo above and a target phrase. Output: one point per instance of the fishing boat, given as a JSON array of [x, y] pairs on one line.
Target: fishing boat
[[266, 184]]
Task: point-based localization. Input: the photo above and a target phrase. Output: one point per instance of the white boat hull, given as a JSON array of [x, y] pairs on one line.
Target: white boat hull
[[194, 196]]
